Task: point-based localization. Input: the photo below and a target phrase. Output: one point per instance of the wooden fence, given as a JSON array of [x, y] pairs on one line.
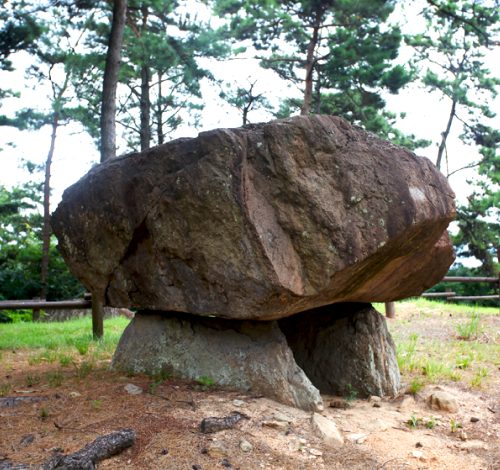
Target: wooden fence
[[390, 309], [36, 305]]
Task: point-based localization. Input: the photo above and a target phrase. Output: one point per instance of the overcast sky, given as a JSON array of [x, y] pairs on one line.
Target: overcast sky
[[426, 117]]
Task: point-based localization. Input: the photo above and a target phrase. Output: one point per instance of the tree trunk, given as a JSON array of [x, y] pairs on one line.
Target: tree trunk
[[308, 92], [245, 114], [318, 96], [445, 136], [108, 111], [145, 108], [159, 114], [46, 210]]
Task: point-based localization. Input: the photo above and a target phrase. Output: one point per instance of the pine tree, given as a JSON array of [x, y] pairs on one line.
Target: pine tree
[[161, 70], [453, 46], [19, 30], [458, 35], [54, 62], [245, 99], [338, 53], [110, 80]]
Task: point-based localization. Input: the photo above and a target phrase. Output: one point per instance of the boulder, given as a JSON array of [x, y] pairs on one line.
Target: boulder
[[242, 355], [259, 222], [344, 348]]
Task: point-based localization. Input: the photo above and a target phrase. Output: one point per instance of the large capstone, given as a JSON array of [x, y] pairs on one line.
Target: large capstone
[[243, 355], [260, 222], [344, 348]]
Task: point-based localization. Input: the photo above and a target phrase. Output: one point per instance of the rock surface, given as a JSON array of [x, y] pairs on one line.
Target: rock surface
[[344, 344], [326, 430], [443, 401], [241, 355], [259, 222]]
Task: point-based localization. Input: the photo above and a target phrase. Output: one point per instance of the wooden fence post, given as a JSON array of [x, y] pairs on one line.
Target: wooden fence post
[[97, 323], [390, 310], [36, 313], [498, 259], [448, 300]]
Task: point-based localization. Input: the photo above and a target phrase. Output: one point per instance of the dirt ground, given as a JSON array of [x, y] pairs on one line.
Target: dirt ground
[[167, 423]]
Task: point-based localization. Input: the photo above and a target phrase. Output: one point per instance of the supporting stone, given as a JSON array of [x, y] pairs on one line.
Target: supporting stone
[[344, 347], [244, 355]]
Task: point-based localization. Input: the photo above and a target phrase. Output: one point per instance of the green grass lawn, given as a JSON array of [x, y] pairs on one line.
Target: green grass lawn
[[438, 341], [60, 341], [462, 308]]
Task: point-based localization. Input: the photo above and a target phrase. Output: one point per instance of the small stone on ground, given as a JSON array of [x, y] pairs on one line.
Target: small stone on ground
[[406, 402], [374, 425], [217, 450], [133, 389], [245, 446], [279, 425], [326, 430], [294, 444], [283, 418], [443, 401]]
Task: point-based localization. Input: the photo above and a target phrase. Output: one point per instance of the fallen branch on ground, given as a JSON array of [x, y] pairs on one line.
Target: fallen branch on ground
[[87, 458], [93, 453], [9, 402], [209, 425]]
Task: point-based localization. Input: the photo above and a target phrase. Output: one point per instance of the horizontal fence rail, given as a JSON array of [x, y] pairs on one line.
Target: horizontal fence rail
[[490, 280], [439, 294], [41, 305], [81, 304], [477, 297], [390, 308], [458, 279]]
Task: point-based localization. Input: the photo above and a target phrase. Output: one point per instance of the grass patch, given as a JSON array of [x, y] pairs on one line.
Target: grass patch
[[55, 379], [4, 389], [416, 385], [32, 379], [437, 341], [82, 370], [59, 335], [64, 359], [469, 329]]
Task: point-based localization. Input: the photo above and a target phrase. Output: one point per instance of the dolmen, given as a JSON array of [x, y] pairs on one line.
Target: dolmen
[[254, 254]]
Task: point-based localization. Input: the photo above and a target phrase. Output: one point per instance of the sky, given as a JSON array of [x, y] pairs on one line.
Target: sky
[[75, 152]]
